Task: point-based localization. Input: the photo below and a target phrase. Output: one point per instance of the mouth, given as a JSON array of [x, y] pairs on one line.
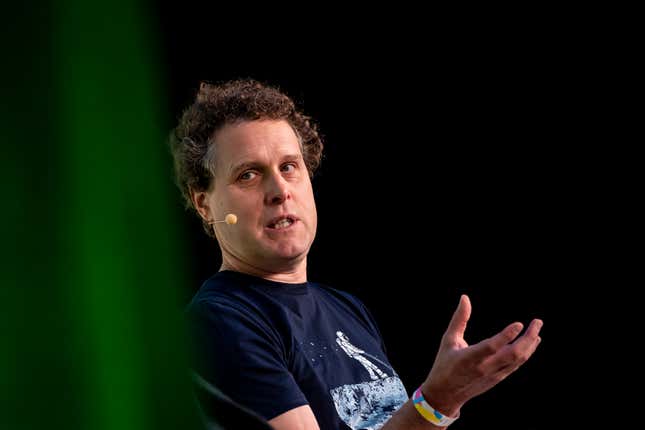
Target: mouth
[[282, 222]]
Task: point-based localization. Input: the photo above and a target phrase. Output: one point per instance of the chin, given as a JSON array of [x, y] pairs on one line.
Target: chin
[[291, 252]]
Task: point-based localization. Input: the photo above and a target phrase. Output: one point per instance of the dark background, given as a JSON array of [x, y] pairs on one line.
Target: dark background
[[451, 166], [490, 153]]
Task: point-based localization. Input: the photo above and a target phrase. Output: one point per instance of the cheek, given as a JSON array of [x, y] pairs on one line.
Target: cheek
[[310, 206], [314, 218], [249, 216], [217, 204], [227, 204]]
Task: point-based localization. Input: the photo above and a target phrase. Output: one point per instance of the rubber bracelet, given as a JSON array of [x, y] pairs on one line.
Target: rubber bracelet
[[430, 413]]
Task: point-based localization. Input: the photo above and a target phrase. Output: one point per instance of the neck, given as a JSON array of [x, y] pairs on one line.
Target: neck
[[293, 274]]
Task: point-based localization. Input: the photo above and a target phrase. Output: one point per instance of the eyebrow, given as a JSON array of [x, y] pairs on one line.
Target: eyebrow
[[255, 164]]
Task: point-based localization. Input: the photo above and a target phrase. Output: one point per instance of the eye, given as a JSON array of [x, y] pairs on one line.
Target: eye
[[289, 167], [247, 176]]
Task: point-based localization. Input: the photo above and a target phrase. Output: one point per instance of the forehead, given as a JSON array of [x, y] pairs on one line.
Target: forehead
[[254, 141]]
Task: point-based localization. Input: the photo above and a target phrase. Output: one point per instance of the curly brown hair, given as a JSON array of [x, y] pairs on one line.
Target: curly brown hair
[[215, 106]]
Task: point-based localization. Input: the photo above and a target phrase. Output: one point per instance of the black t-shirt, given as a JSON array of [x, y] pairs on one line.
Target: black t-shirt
[[272, 346]]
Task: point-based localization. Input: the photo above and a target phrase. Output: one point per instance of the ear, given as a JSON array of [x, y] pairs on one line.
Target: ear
[[200, 202]]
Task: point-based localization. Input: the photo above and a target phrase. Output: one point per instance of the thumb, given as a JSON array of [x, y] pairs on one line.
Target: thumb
[[457, 326]]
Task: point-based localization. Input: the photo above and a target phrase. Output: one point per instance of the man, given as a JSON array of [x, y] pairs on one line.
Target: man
[[300, 354]]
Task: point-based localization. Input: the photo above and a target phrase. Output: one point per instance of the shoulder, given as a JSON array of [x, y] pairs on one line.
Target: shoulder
[[224, 303], [225, 292], [229, 302]]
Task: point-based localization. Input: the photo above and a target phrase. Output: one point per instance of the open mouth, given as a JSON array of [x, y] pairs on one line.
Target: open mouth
[[282, 222]]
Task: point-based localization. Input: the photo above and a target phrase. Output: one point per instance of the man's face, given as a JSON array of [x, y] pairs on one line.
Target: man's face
[[260, 176]]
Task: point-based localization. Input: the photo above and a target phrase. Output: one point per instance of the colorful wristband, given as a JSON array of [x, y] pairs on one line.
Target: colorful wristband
[[430, 413]]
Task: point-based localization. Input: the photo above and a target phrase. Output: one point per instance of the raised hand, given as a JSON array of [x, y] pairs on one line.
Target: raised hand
[[461, 372]]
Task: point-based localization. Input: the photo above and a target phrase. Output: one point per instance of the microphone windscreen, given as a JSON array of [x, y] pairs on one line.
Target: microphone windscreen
[[231, 219]]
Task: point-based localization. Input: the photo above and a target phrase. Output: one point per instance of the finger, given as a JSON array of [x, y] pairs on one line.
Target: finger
[[534, 328], [457, 326], [530, 339], [492, 345], [531, 334], [504, 371], [520, 350]]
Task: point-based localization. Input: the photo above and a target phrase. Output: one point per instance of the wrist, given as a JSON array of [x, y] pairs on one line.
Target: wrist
[[440, 400], [431, 413]]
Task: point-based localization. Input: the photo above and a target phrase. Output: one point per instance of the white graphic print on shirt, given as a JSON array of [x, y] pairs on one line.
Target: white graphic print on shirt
[[367, 405]]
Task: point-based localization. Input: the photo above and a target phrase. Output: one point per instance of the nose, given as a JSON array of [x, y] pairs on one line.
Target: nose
[[277, 190]]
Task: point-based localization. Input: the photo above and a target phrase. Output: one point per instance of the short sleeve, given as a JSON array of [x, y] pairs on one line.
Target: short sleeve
[[239, 353]]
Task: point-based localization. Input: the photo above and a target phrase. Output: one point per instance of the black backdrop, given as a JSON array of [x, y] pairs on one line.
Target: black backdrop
[[446, 171]]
